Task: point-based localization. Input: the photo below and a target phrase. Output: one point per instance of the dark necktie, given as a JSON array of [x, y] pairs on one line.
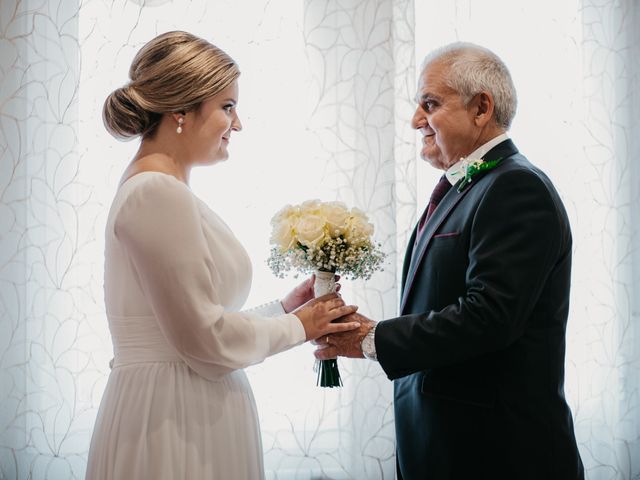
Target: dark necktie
[[437, 195]]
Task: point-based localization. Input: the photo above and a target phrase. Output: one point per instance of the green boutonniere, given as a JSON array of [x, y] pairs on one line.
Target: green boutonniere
[[472, 167]]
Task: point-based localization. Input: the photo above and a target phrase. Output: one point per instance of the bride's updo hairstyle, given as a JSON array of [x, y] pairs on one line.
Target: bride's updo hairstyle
[[174, 72]]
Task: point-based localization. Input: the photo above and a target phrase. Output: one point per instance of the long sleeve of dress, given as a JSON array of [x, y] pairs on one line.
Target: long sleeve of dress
[[270, 309], [160, 227]]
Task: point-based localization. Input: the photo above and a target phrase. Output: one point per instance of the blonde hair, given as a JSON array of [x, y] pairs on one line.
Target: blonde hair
[[174, 72]]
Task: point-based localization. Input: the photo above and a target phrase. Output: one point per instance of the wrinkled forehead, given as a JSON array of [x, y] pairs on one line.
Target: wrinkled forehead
[[433, 81]]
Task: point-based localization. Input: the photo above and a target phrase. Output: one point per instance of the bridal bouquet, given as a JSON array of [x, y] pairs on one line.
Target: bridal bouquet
[[324, 238]]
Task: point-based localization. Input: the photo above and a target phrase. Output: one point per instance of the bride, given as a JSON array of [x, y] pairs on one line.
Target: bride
[[177, 403]]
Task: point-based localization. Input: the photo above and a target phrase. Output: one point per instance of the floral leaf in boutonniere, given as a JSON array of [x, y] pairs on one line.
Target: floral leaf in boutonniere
[[472, 167]]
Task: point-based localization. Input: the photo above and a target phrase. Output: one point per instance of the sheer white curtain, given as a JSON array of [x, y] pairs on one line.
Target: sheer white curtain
[[325, 100], [605, 355], [49, 266]]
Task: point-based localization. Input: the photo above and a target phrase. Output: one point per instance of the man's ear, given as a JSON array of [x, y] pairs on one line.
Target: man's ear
[[482, 105]]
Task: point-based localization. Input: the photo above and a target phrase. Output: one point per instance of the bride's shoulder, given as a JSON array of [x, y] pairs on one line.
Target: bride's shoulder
[[152, 192], [150, 178], [153, 183]]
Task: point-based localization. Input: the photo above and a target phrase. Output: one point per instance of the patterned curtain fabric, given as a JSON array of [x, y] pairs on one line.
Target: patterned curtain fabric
[[603, 369], [325, 99], [49, 264]]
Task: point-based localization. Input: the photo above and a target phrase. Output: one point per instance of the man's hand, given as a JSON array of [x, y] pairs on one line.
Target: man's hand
[[344, 344]]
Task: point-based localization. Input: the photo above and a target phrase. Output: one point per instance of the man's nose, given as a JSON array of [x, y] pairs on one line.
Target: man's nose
[[419, 119]]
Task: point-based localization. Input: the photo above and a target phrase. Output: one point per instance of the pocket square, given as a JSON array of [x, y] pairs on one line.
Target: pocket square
[[445, 235]]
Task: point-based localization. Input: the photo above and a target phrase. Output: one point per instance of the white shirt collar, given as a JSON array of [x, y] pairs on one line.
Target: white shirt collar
[[455, 171]]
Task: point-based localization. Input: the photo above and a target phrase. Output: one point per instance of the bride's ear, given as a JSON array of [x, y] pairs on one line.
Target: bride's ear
[[178, 118], [178, 115]]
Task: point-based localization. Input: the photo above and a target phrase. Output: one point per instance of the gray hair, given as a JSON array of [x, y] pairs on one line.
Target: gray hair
[[473, 69]]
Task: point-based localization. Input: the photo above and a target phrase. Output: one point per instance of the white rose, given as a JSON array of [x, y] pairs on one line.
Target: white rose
[[310, 207], [283, 235], [359, 225], [285, 214], [310, 230], [336, 215], [283, 223]]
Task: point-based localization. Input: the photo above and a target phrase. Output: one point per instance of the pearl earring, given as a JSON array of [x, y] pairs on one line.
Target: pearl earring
[[180, 122]]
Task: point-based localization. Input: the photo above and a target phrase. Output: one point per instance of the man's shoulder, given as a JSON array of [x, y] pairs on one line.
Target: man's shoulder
[[516, 175], [512, 164], [518, 168], [516, 162]]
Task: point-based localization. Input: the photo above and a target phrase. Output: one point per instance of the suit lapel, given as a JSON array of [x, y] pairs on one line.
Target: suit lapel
[[407, 258], [447, 205]]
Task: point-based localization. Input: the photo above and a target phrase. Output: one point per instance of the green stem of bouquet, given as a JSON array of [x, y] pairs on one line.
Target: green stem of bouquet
[[328, 373]]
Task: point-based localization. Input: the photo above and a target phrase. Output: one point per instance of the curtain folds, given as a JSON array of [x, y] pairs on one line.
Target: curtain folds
[[326, 101], [46, 257], [361, 55], [605, 358]]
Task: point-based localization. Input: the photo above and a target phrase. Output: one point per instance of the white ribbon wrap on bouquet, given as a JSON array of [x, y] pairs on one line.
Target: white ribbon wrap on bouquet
[[325, 283]]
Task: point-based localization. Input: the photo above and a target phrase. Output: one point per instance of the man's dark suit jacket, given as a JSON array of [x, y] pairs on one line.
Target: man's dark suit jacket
[[477, 355]]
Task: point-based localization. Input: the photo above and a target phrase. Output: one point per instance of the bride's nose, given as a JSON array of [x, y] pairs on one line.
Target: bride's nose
[[236, 125]]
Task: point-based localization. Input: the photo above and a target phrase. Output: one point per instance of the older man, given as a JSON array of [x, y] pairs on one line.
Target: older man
[[477, 353]]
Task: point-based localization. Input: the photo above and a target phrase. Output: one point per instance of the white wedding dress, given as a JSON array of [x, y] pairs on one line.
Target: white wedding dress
[[177, 404]]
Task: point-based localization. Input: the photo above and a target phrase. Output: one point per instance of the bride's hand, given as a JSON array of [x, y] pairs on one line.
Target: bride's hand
[[302, 293], [316, 316]]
